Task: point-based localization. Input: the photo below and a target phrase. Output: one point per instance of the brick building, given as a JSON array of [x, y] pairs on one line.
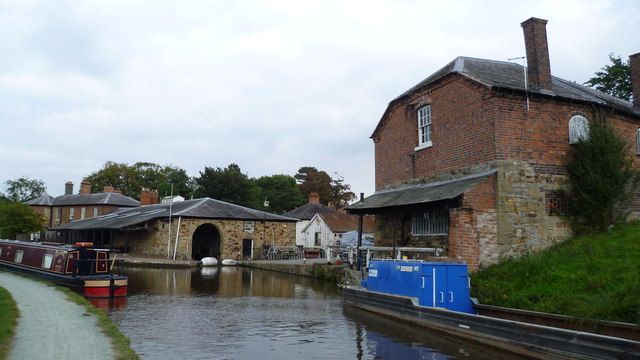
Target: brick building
[[471, 159], [65, 208]]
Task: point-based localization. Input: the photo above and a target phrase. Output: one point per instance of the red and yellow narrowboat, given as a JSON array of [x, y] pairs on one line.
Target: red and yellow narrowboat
[[79, 266]]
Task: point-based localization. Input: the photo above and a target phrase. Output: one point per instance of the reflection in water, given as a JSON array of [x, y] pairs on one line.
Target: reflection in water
[[240, 313]]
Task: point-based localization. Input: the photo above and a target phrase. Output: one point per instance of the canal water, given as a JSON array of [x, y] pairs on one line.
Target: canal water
[[242, 313]]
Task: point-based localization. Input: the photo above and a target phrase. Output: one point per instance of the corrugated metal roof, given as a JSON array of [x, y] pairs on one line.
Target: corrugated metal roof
[[107, 198], [43, 200], [308, 211], [204, 208], [418, 194]]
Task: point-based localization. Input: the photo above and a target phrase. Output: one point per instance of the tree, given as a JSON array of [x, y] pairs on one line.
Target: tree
[[130, 179], [23, 189], [614, 79], [17, 218], [228, 184], [340, 192], [281, 191], [602, 179], [311, 180]]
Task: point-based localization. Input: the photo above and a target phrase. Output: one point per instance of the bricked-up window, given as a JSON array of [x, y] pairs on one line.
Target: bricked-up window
[[578, 129], [424, 126], [432, 222]]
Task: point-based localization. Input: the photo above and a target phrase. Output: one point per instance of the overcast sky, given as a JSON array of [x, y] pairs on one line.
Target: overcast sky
[[271, 86]]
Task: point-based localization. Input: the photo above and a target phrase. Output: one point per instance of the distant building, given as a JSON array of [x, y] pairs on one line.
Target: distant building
[[325, 230], [192, 229], [305, 213], [473, 158], [84, 205]]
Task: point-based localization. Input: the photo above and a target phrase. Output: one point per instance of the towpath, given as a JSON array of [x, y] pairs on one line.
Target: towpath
[[50, 326]]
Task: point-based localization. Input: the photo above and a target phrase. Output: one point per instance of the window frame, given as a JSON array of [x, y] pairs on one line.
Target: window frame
[[83, 213], [425, 132], [18, 259], [47, 258], [72, 214], [575, 134], [431, 221]]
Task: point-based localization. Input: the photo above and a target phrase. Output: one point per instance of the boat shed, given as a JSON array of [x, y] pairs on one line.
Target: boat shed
[[186, 230]]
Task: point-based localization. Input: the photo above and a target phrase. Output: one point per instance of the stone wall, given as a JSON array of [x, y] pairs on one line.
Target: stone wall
[[525, 222], [153, 241]]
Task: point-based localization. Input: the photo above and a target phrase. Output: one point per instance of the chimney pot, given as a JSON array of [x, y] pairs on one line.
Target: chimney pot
[[68, 188], [537, 50], [634, 63]]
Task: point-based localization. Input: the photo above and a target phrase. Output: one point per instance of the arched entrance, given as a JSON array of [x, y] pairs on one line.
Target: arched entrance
[[205, 242]]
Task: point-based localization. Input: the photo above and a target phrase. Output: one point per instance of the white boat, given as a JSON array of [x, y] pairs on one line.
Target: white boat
[[209, 261], [229, 262]]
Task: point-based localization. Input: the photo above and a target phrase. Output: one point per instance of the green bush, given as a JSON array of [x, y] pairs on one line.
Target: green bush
[[602, 179]]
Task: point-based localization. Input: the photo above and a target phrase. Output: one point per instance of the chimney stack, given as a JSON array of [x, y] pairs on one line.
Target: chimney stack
[[148, 197], [634, 62], [535, 42], [68, 188], [314, 198], [85, 187], [108, 189]]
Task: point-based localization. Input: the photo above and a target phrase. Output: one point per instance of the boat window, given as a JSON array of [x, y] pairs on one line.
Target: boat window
[[46, 261], [18, 258], [0, 251]]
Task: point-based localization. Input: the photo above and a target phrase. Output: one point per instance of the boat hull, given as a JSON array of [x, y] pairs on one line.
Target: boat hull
[[526, 339]]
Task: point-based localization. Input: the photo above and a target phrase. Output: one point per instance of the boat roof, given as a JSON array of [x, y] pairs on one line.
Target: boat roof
[[41, 245]]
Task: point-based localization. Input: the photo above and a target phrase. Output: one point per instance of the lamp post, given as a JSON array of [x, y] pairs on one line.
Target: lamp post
[[264, 222]]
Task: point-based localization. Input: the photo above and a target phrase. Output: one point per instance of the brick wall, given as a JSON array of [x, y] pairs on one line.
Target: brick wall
[[462, 132]]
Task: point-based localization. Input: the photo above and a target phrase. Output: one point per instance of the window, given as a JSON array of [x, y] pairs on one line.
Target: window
[[95, 212], [47, 260], [18, 258], [638, 141], [432, 222], [249, 226], [71, 213], [578, 129], [317, 241], [57, 212], [424, 127], [0, 251], [83, 213]]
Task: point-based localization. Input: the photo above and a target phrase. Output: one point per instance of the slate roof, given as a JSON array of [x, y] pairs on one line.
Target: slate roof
[[418, 194], [204, 208], [339, 222], [510, 76], [43, 200], [308, 211], [107, 198]]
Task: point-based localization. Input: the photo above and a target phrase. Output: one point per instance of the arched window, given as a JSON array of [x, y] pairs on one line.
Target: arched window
[[638, 141], [578, 129]]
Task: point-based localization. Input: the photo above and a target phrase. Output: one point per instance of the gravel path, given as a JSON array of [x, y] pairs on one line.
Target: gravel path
[[50, 326]]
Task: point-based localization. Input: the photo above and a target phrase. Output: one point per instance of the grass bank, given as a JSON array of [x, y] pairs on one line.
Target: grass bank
[[591, 277], [121, 344], [8, 320]]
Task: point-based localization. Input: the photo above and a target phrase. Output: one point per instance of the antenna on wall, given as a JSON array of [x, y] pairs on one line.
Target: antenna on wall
[[526, 82]]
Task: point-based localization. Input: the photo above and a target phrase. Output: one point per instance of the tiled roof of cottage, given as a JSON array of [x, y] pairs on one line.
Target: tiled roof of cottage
[[42, 200], [308, 211], [339, 222], [204, 208], [106, 198], [418, 194], [510, 76]]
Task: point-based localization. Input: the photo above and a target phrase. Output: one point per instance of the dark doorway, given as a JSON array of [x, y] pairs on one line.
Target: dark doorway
[[247, 247], [206, 242]]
